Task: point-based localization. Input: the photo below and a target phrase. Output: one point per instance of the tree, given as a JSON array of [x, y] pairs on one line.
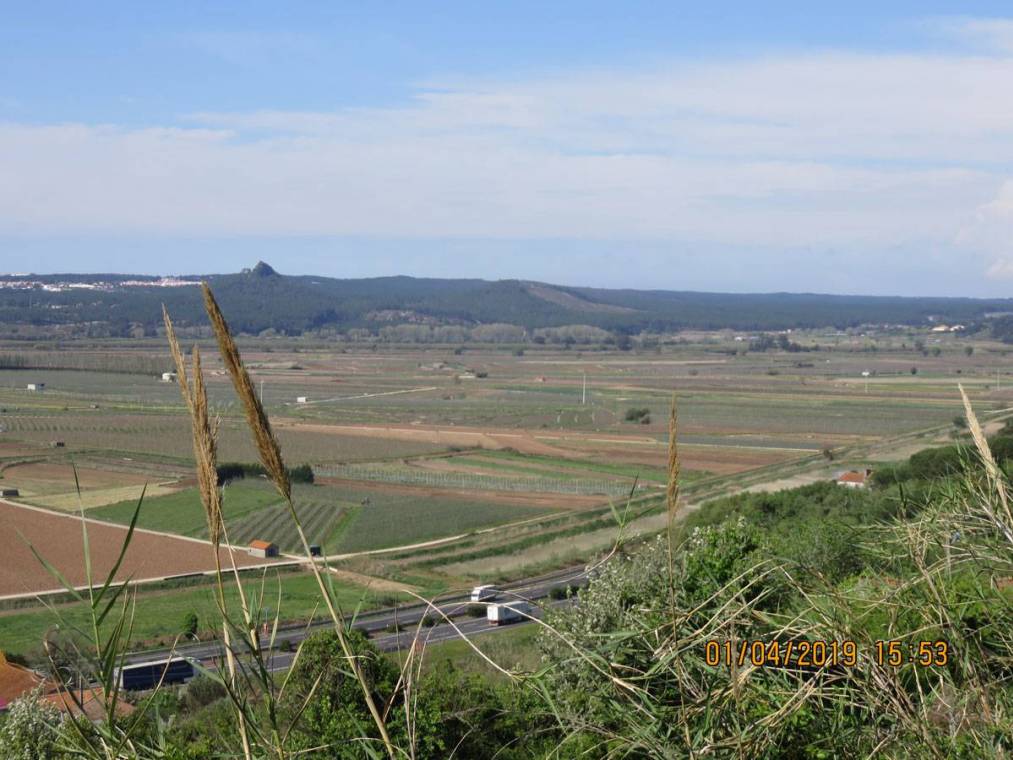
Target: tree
[[968, 350], [337, 713], [914, 370], [31, 729]]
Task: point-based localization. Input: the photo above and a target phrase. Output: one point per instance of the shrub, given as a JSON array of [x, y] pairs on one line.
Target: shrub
[[30, 730], [200, 692], [636, 413], [189, 627], [229, 471]]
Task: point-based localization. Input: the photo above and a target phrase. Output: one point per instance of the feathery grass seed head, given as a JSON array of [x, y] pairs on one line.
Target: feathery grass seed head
[[256, 418], [204, 432]]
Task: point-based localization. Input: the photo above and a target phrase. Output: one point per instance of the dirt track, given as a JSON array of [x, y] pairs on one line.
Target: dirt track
[[58, 539]]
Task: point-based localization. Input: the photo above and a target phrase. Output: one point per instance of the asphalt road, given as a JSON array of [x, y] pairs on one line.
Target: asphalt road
[[396, 628]]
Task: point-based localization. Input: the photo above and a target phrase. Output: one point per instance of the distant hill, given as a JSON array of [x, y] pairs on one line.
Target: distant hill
[[260, 298]]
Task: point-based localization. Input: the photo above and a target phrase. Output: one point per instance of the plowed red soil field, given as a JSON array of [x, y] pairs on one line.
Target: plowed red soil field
[[58, 539]]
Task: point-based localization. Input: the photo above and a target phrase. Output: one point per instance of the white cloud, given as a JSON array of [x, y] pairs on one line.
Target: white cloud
[[1000, 269], [995, 34], [832, 149]]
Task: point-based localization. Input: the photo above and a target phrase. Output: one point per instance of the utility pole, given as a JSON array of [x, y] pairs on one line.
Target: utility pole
[[583, 392], [261, 391]]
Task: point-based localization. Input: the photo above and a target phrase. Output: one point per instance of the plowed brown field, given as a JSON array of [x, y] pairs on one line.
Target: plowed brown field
[[58, 539]]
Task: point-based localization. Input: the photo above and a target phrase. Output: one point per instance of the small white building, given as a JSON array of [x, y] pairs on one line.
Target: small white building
[[854, 478], [301, 399], [36, 387], [263, 549], [168, 377]]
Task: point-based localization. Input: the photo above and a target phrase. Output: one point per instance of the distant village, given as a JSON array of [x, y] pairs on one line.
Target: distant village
[[20, 283]]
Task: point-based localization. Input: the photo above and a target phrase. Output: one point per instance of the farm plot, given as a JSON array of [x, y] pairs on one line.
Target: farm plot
[[168, 434], [384, 517], [58, 538], [182, 513], [539, 465], [478, 481], [320, 515], [51, 484]]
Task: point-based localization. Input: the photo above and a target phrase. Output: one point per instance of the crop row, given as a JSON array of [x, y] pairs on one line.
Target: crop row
[[275, 524]]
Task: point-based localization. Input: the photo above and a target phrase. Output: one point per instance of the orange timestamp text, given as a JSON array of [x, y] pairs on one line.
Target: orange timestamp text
[[803, 653]]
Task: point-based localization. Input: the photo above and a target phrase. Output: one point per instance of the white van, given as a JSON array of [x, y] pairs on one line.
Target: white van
[[484, 593]]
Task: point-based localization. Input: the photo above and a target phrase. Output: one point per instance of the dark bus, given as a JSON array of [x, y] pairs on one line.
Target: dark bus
[[141, 676]]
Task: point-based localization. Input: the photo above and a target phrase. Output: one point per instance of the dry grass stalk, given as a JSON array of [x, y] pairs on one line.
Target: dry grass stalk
[[205, 451], [270, 457], [256, 417], [995, 476], [204, 433], [672, 493]]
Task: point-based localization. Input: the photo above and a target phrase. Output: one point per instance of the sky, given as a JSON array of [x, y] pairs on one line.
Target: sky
[[713, 146]]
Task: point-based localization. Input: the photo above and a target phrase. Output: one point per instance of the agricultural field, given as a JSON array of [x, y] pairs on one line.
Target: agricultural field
[[159, 612], [182, 512], [340, 519], [437, 467], [58, 538]]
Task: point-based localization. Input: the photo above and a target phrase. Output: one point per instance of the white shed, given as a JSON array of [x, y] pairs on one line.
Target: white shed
[[301, 399], [36, 386], [168, 377]]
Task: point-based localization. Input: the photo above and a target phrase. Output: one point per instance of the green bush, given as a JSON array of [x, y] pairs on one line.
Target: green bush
[[229, 471], [636, 413]]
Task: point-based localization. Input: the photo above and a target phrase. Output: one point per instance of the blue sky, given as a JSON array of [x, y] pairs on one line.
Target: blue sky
[[718, 146]]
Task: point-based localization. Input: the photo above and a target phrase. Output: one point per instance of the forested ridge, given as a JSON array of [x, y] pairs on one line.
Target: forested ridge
[[260, 298]]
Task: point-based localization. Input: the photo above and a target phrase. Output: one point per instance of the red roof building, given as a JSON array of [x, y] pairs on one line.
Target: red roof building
[[263, 549], [854, 478]]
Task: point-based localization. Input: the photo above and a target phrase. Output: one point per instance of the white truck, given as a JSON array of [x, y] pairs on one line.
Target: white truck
[[510, 612], [484, 593]]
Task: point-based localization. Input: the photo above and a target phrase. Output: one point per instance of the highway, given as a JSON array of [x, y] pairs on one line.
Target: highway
[[396, 628]]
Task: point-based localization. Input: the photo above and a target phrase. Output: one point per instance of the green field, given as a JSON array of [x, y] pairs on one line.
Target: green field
[[396, 518], [159, 614], [334, 517], [564, 467], [183, 512]]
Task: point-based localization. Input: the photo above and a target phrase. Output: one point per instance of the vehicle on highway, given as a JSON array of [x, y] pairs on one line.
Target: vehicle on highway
[[510, 612], [484, 593], [141, 676]]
